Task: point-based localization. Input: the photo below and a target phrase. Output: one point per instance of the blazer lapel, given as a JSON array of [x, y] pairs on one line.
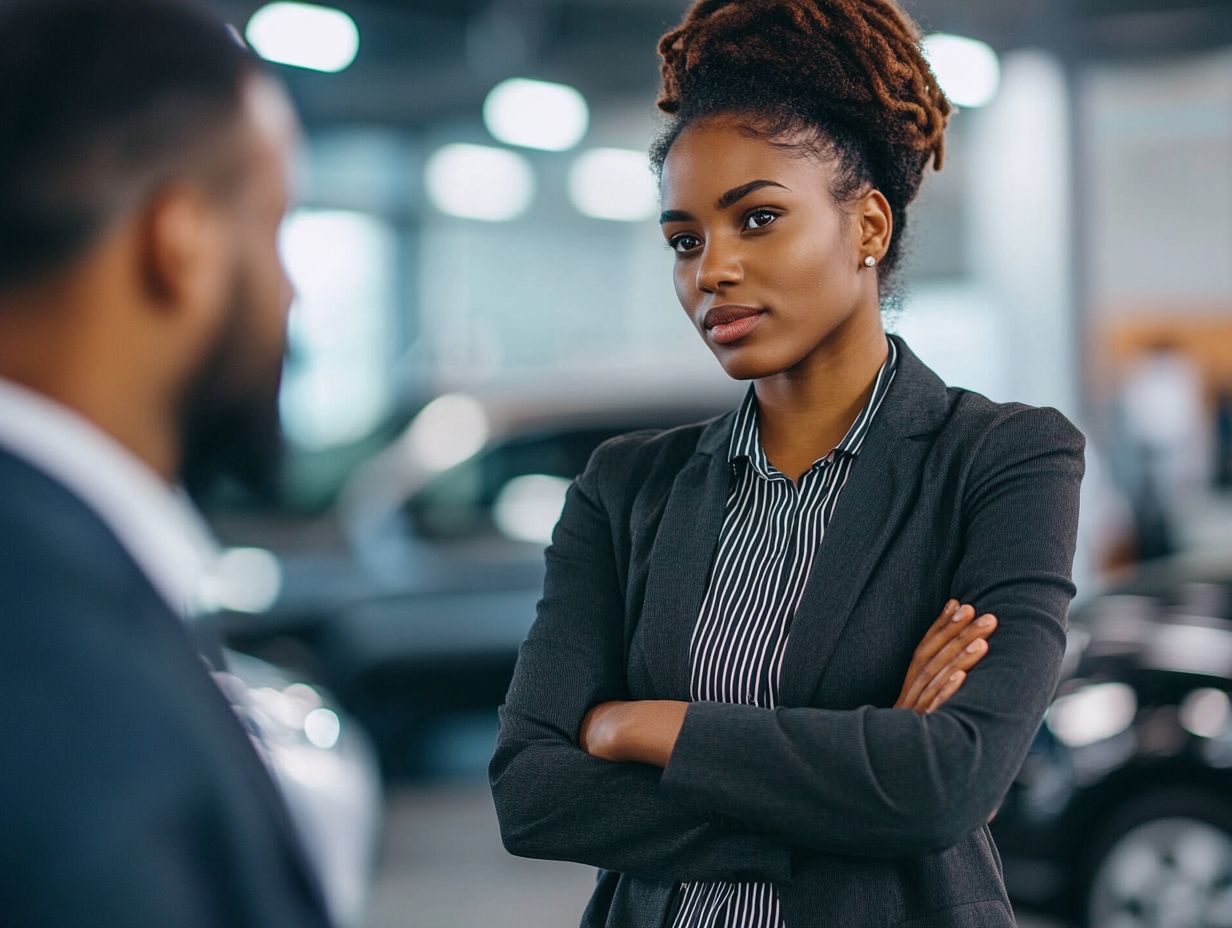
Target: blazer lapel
[[680, 560], [879, 493]]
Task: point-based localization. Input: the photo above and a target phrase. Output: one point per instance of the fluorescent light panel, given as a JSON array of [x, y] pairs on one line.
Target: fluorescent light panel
[[479, 182], [536, 114], [968, 70], [304, 35]]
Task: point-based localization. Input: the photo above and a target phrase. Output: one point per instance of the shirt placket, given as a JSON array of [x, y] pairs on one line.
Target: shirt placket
[[797, 498]]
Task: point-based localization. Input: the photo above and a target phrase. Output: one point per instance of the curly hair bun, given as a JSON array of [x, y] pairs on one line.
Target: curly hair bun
[[854, 64]]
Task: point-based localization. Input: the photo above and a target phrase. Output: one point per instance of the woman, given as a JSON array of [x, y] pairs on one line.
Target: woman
[[705, 707]]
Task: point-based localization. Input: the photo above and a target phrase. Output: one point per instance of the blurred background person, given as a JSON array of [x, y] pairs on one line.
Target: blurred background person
[[143, 179], [481, 299], [1167, 443]]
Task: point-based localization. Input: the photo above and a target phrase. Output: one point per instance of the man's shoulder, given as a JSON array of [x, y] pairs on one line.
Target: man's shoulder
[[28, 489], [47, 532]]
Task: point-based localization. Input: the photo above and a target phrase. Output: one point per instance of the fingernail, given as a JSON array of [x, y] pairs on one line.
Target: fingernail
[[958, 614], [975, 646], [985, 621], [956, 676]]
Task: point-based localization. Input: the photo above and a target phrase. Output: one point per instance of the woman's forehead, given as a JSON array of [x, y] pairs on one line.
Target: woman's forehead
[[709, 158]]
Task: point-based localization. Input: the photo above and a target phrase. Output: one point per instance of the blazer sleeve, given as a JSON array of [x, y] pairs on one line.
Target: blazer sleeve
[[876, 781], [554, 800]]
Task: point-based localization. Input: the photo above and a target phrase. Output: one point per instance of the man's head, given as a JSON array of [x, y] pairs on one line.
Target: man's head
[[143, 177]]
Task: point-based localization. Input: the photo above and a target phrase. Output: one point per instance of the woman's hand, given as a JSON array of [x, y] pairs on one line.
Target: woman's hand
[[951, 647], [643, 732]]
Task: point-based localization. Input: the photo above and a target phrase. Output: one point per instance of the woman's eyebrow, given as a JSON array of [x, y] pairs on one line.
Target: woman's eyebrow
[[674, 215], [730, 198], [739, 193]]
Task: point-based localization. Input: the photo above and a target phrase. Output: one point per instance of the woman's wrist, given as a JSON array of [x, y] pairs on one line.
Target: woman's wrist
[[642, 731], [649, 733]]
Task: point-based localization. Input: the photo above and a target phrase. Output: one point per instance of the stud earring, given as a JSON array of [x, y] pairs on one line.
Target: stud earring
[[869, 260]]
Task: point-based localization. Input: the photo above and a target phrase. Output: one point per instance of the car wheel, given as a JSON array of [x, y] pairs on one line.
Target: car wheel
[[1164, 862]]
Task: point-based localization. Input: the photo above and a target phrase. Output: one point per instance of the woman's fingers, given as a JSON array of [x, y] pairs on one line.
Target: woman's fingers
[[962, 662], [953, 618], [959, 652], [953, 683], [931, 654], [975, 631], [947, 624], [960, 656]]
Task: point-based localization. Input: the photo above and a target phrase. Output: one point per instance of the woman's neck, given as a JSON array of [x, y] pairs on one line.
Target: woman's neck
[[806, 411]]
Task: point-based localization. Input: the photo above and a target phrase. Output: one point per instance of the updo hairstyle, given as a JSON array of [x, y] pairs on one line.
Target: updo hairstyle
[[842, 80]]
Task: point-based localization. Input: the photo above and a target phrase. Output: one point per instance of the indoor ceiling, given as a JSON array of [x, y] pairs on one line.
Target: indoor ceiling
[[424, 61]]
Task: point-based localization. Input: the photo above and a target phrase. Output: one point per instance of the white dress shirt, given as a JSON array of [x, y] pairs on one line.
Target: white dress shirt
[[152, 520]]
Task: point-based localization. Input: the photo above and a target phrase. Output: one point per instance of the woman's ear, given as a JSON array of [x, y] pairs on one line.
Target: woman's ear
[[876, 223]]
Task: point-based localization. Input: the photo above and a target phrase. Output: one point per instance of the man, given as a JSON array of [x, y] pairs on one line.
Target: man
[[143, 178]]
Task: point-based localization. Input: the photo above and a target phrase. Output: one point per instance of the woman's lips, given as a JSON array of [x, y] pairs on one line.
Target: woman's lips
[[726, 324]]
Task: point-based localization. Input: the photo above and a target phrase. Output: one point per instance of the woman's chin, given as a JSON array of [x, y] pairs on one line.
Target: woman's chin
[[747, 363]]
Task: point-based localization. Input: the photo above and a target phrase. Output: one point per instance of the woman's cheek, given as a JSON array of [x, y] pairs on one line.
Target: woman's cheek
[[684, 289]]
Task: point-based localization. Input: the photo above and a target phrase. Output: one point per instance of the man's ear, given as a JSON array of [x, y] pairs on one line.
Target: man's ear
[[876, 223], [183, 249]]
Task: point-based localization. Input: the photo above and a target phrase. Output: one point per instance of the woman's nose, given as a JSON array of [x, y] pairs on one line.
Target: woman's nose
[[719, 267]]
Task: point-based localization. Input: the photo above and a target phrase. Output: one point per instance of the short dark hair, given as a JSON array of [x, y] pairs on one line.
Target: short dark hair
[[841, 79], [100, 102]]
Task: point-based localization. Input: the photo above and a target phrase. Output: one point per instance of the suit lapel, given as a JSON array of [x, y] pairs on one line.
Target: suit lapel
[[680, 561], [880, 492]]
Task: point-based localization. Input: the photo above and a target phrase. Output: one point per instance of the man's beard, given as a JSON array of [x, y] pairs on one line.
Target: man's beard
[[229, 419]]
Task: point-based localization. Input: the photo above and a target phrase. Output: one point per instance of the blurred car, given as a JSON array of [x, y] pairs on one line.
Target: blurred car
[[431, 565], [325, 769], [1121, 816]]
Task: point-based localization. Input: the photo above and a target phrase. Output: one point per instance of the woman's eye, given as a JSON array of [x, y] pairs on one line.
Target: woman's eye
[[682, 244], [759, 219]]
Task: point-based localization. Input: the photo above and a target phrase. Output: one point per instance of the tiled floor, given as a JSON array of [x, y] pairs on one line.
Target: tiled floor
[[444, 867]]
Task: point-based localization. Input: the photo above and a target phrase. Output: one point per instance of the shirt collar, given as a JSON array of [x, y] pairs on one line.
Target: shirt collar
[[153, 521], [746, 435]]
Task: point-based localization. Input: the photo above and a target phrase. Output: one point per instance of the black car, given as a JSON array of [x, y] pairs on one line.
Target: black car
[[1121, 816], [423, 579]]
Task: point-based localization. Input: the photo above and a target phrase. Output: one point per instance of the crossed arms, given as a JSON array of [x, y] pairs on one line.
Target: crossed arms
[[743, 785]]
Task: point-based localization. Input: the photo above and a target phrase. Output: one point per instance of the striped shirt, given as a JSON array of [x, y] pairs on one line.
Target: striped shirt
[[771, 531]]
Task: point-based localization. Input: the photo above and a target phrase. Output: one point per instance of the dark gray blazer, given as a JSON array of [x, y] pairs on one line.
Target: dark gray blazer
[[863, 816], [132, 796]]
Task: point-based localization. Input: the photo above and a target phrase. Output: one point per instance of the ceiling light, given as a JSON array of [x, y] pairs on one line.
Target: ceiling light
[[319, 38], [613, 183], [536, 114], [967, 69], [478, 182]]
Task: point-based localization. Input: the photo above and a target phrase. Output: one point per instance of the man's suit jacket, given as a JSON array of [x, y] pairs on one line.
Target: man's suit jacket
[[132, 797], [862, 815]]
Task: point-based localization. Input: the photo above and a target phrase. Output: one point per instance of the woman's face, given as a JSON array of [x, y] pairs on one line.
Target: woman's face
[[768, 267]]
